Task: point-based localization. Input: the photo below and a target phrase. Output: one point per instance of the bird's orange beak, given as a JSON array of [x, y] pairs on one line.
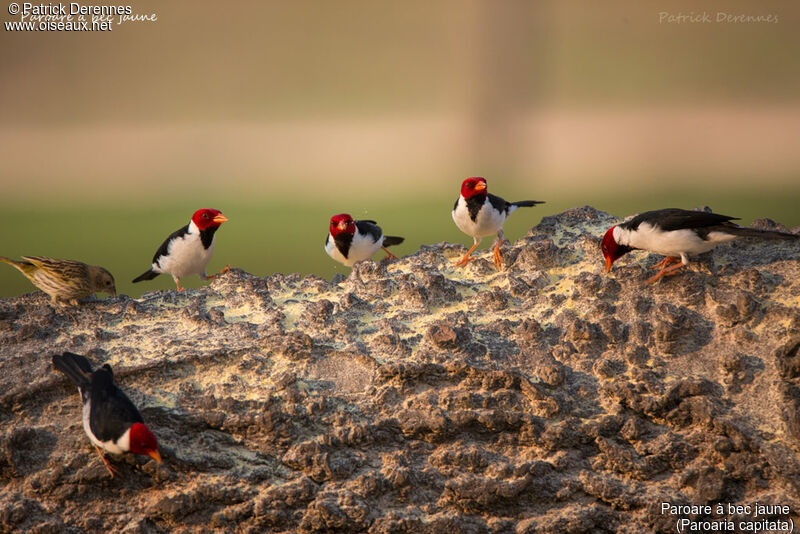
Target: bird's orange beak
[[155, 456], [342, 225], [609, 262], [480, 186], [219, 219]]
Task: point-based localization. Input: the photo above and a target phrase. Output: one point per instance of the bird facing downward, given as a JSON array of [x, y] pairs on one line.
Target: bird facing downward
[[110, 419], [478, 213], [350, 241], [676, 234], [187, 250], [64, 280]]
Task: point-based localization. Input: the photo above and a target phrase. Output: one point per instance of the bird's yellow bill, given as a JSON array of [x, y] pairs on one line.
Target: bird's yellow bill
[[219, 219], [480, 186], [609, 262], [342, 225], [155, 456]]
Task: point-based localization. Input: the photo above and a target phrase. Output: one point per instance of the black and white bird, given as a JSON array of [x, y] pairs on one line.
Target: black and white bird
[[110, 419], [676, 234], [188, 250], [350, 241], [478, 213]]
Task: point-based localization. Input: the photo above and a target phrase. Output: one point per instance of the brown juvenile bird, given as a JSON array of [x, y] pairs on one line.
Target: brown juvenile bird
[[65, 280]]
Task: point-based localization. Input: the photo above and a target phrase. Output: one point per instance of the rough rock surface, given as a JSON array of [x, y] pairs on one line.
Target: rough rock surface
[[413, 397]]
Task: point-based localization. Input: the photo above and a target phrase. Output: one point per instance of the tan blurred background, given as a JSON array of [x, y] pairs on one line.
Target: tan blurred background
[[284, 113]]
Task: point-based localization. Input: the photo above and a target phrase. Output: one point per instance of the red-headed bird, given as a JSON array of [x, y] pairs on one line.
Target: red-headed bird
[[110, 419], [676, 234], [478, 213], [350, 241], [188, 250]]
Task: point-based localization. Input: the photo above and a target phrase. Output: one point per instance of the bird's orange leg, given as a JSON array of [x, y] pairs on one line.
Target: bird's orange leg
[[111, 469], [665, 271], [178, 282], [466, 259], [225, 270], [672, 270], [389, 254], [666, 261], [497, 257]]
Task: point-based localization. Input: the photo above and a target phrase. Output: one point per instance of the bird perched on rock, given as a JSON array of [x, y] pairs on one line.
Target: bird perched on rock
[[478, 213], [350, 241], [64, 280], [676, 234], [188, 250], [110, 419]]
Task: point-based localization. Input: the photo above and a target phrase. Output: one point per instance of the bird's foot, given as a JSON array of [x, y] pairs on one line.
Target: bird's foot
[[666, 261], [497, 258], [389, 255], [665, 271], [223, 271], [110, 468], [467, 257], [464, 261]]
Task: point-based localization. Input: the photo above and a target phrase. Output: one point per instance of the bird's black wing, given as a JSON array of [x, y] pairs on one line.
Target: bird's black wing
[[112, 411], [500, 204], [163, 250], [370, 228], [677, 219]]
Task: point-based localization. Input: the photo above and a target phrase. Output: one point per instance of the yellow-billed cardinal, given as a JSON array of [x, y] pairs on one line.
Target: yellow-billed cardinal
[[188, 250], [110, 419], [676, 234], [478, 213], [350, 241]]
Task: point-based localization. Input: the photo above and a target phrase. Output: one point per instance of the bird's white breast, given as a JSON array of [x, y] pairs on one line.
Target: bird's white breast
[[186, 255], [488, 221], [362, 247]]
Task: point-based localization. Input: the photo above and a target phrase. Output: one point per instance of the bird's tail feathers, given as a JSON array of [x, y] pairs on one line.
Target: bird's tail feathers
[[743, 231], [513, 206], [389, 240], [149, 274], [76, 367], [526, 203]]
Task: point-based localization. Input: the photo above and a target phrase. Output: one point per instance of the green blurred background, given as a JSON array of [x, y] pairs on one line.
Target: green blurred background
[[282, 114]]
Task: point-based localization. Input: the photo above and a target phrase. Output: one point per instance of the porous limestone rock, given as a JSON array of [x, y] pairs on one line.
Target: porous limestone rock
[[415, 397]]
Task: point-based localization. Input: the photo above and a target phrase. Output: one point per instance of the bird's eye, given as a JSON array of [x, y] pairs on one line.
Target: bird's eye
[[205, 215]]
